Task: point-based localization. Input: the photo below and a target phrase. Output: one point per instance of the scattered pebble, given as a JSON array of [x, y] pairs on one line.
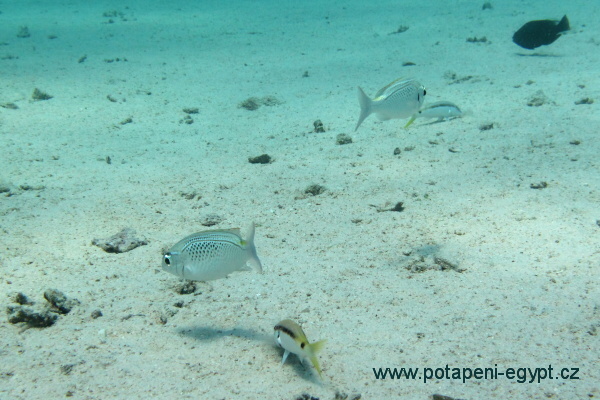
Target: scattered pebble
[[251, 104], [474, 39], [23, 32], [538, 99], [186, 287], [66, 369], [541, 185], [487, 6], [342, 139], [22, 299], [397, 151], [262, 159], [442, 397], [401, 29], [423, 263], [60, 303], [121, 242], [31, 317], [5, 188], [487, 127], [9, 106], [254, 103], [191, 195], [585, 100], [211, 219], [38, 95], [306, 396], [31, 187], [270, 101], [343, 396], [112, 60], [187, 120], [191, 110], [319, 128], [96, 314], [39, 316], [315, 190], [398, 207]]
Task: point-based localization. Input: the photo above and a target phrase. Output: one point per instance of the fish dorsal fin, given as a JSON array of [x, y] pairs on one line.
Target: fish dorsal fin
[[235, 231], [392, 87]]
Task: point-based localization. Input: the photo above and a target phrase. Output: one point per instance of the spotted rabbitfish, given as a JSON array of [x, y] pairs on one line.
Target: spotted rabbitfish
[[210, 255], [400, 99]]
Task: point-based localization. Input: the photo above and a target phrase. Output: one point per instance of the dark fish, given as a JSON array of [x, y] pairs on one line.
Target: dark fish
[[540, 33]]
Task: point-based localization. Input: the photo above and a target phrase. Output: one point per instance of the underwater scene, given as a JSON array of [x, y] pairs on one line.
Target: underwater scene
[[308, 200]]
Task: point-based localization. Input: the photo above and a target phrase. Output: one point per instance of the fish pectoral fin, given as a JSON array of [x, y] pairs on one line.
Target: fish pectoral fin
[[410, 121], [285, 356]]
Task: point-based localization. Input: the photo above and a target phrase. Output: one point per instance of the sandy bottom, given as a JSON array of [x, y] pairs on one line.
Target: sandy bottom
[[492, 262]]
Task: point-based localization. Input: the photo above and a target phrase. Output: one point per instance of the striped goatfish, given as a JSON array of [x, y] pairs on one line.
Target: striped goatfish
[[210, 255], [440, 109], [400, 99], [290, 336]]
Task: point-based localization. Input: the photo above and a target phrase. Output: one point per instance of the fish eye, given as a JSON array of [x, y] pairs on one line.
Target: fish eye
[[167, 258], [424, 92], [302, 345]]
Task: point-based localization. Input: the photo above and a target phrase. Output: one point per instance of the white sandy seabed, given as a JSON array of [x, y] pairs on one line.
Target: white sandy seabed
[[479, 270]]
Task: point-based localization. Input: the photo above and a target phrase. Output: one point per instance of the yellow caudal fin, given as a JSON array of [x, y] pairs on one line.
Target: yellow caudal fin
[[313, 349]]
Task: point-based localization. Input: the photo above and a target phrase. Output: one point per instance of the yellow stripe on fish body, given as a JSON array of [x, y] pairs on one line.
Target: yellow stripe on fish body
[[399, 99], [290, 336], [440, 110], [210, 255]]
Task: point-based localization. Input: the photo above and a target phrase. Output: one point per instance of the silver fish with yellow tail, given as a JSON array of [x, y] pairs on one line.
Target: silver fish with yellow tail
[[400, 99], [290, 336]]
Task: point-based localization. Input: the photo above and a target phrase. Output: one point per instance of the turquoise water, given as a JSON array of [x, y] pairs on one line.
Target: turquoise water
[[468, 243]]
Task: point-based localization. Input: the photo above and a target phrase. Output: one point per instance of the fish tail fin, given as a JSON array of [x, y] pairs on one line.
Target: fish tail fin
[[410, 121], [365, 107], [563, 25], [466, 113], [252, 256], [313, 349]]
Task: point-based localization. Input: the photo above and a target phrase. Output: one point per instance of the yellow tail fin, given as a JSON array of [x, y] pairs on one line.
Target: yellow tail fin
[[314, 348]]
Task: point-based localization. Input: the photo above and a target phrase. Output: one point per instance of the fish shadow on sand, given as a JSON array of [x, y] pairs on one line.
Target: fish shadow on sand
[[206, 334], [427, 250], [435, 122], [301, 368], [538, 55]]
